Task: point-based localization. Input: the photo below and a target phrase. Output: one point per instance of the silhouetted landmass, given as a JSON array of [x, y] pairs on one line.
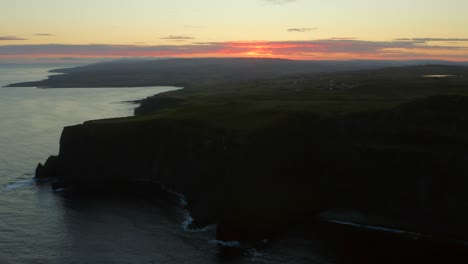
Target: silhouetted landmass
[[188, 72], [258, 157]]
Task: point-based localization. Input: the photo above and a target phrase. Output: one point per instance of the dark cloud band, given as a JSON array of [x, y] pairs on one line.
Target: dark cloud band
[[352, 48], [301, 29], [178, 37], [11, 38]]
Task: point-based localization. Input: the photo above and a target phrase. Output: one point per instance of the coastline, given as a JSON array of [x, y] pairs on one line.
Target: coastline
[[257, 175], [187, 170]]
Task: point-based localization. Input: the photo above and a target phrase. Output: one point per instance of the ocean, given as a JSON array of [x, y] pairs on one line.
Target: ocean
[[38, 225]]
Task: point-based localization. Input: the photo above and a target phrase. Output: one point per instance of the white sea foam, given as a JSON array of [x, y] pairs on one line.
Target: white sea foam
[[19, 184], [378, 228], [188, 219], [226, 243], [182, 199]]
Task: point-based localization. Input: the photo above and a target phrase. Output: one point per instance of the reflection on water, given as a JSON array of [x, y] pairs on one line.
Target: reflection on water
[[40, 226], [32, 119]]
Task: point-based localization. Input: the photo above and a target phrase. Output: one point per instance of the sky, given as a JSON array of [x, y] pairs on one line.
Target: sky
[[70, 30]]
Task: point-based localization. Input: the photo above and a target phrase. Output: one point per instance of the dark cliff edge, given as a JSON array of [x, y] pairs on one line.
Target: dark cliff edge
[[405, 165]]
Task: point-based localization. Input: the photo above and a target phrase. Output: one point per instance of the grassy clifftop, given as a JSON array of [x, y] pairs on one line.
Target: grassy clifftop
[[250, 104], [257, 156]]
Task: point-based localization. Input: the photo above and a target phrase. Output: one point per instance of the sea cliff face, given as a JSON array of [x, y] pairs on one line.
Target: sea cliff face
[[406, 165], [184, 156]]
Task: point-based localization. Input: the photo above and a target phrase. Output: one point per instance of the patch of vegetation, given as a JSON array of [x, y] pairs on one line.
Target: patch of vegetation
[[246, 105]]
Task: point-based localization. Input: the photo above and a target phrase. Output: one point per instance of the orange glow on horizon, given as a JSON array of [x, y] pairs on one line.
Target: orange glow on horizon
[[297, 50]]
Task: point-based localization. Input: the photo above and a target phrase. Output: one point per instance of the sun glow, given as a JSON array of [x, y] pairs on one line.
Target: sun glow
[[321, 49], [260, 51]]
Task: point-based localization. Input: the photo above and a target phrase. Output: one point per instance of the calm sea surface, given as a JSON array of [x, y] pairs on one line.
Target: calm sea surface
[[40, 226]]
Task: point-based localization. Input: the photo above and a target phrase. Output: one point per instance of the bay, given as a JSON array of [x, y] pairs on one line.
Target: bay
[[40, 226]]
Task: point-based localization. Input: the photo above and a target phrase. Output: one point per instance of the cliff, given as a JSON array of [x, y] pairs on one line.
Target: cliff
[[184, 156], [258, 157], [407, 164]]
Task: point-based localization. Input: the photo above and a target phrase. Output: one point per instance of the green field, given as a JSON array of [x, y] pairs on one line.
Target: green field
[[247, 105]]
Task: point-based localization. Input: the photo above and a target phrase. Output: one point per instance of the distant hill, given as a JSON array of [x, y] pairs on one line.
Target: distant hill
[[187, 72]]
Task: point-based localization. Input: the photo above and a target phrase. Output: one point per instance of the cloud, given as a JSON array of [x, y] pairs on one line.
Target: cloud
[[333, 48], [178, 37], [279, 2], [11, 38], [301, 29], [43, 34], [434, 39], [343, 38], [103, 50]]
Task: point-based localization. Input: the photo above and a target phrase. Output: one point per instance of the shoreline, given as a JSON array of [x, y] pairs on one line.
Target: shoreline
[[257, 157]]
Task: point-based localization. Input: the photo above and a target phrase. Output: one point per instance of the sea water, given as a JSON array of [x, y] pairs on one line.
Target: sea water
[[40, 226]]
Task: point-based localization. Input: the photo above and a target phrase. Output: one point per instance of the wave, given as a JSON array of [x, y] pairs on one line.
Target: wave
[[415, 235], [188, 219], [234, 244], [182, 200], [18, 185]]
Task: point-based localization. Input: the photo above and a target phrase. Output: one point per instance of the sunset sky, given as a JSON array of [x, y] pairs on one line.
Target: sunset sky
[[297, 29]]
